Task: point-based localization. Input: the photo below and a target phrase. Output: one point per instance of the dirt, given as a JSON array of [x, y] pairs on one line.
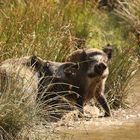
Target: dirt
[[91, 119]]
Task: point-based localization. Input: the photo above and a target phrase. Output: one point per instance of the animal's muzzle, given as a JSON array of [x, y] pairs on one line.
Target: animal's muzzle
[[98, 70]]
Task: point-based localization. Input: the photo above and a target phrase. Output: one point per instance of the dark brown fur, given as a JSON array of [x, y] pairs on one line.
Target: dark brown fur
[[76, 80], [46, 79], [92, 75], [73, 80], [78, 77]]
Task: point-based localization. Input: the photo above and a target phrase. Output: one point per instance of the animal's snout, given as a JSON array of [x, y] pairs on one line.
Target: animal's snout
[[96, 70], [99, 68]]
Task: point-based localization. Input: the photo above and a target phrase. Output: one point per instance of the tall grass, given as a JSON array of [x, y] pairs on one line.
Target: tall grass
[[20, 117], [33, 27], [15, 108], [51, 29], [129, 12], [122, 71]]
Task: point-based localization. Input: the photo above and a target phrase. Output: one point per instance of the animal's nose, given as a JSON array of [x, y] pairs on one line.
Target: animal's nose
[[99, 68]]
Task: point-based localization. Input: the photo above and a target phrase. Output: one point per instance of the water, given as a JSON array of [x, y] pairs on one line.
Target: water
[[125, 127]]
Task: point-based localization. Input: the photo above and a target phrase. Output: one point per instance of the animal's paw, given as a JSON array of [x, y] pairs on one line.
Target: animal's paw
[[108, 115]]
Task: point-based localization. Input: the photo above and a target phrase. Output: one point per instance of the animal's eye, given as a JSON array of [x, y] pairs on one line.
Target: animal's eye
[[71, 69], [75, 66]]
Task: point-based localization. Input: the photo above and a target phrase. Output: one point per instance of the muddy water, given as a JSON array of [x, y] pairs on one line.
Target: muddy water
[[124, 125]]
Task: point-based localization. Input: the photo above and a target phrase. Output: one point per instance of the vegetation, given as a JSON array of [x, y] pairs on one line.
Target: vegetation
[[130, 13], [51, 29], [122, 70]]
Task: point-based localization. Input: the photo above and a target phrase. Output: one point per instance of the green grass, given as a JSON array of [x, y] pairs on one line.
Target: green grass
[[52, 29]]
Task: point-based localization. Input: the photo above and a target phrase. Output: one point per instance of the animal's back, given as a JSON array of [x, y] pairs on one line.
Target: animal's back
[[16, 75]]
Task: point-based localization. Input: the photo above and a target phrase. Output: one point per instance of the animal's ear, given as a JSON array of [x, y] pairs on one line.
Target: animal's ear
[[70, 69], [77, 56], [108, 50], [35, 62]]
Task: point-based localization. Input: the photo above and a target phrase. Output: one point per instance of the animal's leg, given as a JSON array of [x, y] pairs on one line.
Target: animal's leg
[[102, 99], [79, 105], [103, 102]]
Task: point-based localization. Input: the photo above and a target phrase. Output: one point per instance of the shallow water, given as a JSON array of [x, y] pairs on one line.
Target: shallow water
[[125, 127]]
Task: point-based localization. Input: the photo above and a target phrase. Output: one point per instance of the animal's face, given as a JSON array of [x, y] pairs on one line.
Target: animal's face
[[93, 62], [67, 70], [54, 69], [97, 64]]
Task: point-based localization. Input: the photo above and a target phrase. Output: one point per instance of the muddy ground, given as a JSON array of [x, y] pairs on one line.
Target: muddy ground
[[121, 118]]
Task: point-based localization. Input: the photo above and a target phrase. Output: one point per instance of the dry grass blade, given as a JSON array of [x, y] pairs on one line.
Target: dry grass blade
[[122, 70], [129, 10]]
